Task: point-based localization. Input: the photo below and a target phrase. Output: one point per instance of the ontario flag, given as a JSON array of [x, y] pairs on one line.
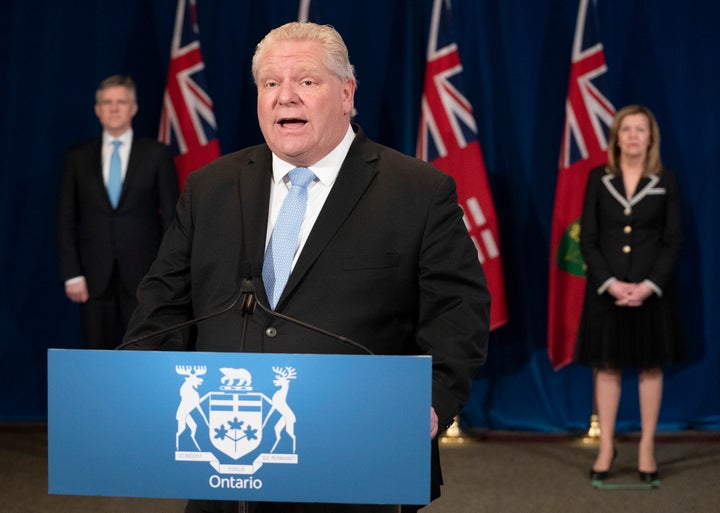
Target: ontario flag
[[447, 138], [588, 116], [187, 122]]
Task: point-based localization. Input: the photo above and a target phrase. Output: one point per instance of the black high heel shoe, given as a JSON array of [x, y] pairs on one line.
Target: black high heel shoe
[[648, 477], [602, 475]]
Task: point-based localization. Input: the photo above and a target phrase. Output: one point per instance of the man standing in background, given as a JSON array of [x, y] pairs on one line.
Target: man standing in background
[[118, 194]]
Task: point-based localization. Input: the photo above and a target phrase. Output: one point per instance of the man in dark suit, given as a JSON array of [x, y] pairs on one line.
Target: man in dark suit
[[382, 255], [117, 198]]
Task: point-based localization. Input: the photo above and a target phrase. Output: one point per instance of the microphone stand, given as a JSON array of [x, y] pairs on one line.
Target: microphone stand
[[182, 325], [248, 301], [247, 292]]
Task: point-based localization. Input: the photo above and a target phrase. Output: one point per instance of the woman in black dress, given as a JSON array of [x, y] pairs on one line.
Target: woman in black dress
[[630, 238]]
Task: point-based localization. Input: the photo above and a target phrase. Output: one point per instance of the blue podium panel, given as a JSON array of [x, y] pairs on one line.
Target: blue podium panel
[[240, 426]]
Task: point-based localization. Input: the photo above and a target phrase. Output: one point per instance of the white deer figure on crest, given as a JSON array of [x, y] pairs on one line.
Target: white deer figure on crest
[[189, 400], [279, 404]]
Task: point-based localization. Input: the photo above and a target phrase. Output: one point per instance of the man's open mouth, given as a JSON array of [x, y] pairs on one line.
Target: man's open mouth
[[291, 122]]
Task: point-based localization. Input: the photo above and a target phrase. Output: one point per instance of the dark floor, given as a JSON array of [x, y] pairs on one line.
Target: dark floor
[[490, 473]]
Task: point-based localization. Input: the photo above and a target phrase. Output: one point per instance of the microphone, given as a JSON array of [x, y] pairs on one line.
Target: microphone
[[248, 300], [185, 324], [246, 293]]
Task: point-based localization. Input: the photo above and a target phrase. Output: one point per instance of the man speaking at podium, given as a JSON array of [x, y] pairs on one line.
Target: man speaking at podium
[[331, 229]]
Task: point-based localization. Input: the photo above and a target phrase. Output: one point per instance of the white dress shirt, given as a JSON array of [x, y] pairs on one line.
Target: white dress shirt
[[326, 171]]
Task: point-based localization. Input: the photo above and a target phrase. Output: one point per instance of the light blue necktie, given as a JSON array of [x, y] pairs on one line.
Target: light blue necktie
[[114, 185], [284, 240]]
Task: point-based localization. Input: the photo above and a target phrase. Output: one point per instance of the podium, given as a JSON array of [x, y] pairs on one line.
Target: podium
[[239, 426]]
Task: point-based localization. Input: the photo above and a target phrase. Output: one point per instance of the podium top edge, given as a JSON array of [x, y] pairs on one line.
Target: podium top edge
[[216, 353]]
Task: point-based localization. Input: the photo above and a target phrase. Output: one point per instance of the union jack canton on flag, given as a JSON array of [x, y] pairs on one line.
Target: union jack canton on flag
[[187, 122]]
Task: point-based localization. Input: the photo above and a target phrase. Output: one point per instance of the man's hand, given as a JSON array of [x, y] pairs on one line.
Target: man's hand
[[77, 291], [433, 423]]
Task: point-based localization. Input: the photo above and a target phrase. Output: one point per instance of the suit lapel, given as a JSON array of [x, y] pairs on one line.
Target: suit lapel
[[133, 168], [616, 187], [355, 176], [254, 194], [95, 169]]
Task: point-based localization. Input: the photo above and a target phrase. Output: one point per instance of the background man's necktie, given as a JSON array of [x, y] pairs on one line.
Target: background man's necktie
[[114, 185], [284, 240]]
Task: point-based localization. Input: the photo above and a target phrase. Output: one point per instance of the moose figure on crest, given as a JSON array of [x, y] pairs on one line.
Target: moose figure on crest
[[189, 400]]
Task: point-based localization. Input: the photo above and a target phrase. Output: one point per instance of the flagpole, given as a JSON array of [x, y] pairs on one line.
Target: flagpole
[[460, 156], [586, 117], [304, 10]]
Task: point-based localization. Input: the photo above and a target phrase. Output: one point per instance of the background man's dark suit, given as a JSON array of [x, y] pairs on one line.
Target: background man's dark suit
[[388, 264], [114, 246]]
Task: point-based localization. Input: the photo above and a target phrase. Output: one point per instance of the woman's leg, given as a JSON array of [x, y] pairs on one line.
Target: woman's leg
[[607, 399], [650, 385]]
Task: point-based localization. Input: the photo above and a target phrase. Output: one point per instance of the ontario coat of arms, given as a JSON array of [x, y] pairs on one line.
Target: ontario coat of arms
[[232, 419]]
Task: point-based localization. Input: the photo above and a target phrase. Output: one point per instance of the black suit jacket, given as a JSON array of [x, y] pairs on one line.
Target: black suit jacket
[[631, 239], [388, 263], [92, 235]]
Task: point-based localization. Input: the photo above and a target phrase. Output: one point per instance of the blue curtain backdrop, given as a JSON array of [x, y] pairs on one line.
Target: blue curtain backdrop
[[516, 57]]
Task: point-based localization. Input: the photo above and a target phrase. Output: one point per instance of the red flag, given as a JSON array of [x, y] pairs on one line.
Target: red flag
[[187, 122], [588, 114], [447, 138]]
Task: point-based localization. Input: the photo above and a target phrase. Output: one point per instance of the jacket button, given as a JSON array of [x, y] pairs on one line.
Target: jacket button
[[627, 229], [271, 332], [627, 211], [627, 249]]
